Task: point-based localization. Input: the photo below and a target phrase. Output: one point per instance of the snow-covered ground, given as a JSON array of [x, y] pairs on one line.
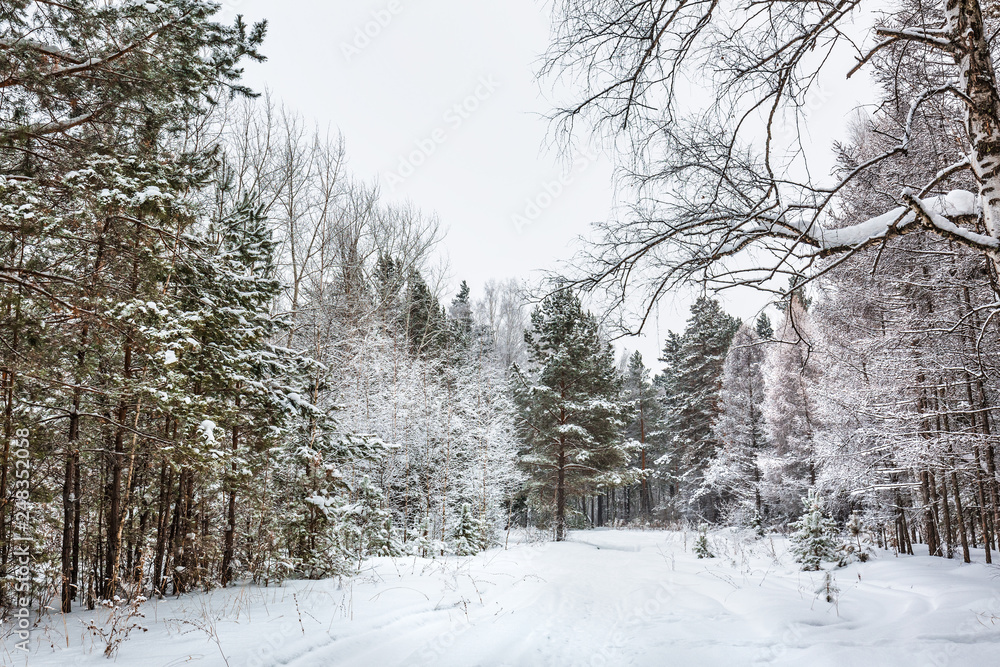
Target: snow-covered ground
[[602, 598]]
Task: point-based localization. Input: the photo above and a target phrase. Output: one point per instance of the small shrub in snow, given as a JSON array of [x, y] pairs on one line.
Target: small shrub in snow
[[815, 536], [122, 620], [829, 590], [701, 548], [757, 523], [856, 547]]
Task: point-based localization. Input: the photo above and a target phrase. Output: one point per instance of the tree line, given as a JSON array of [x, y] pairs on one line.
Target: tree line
[[228, 354], [882, 392]]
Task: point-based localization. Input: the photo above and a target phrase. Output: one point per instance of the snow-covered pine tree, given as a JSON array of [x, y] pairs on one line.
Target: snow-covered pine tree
[[734, 475], [815, 538], [701, 547], [571, 405], [763, 327], [692, 381], [668, 465], [366, 525], [460, 315], [645, 428], [217, 338], [424, 320], [422, 542], [95, 90]]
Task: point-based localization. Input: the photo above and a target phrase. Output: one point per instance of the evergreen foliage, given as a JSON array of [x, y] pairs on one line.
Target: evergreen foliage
[[815, 538], [468, 538], [645, 430], [571, 405], [692, 380], [763, 327], [735, 476], [366, 525], [701, 546]]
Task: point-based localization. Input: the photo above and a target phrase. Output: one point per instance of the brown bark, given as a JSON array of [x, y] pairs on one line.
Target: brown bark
[[949, 536], [561, 493], [929, 533], [230, 534], [114, 493], [960, 516], [981, 510], [162, 527]]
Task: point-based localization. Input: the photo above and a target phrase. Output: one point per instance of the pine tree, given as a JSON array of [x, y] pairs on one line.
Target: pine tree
[[669, 463], [701, 546], [460, 314], [571, 404], [735, 475], [424, 320], [815, 536], [763, 327], [366, 528], [692, 380], [422, 543], [646, 426], [97, 99]]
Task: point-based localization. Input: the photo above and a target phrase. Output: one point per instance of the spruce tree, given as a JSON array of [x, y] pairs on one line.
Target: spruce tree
[[423, 318], [815, 536], [460, 315], [669, 463], [468, 537], [366, 528], [571, 405]]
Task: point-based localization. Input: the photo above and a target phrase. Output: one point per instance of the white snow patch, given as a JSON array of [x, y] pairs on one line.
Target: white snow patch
[[602, 598]]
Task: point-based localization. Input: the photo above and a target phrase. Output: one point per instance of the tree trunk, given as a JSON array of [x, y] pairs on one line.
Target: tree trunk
[[70, 482], [114, 490], [69, 506], [77, 515], [8, 391], [978, 80], [984, 519], [949, 536], [230, 536], [959, 514], [929, 532], [162, 527], [561, 493]]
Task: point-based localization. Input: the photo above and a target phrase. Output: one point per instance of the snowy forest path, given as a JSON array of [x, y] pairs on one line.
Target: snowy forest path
[[642, 598], [604, 597]]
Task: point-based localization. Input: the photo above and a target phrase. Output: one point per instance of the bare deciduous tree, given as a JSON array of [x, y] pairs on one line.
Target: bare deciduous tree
[[722, 194]]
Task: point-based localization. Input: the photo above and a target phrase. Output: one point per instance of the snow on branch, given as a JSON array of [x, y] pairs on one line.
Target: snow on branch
[[936, 214]]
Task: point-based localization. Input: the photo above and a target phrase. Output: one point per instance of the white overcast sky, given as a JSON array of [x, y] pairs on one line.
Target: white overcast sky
[[389, 81]]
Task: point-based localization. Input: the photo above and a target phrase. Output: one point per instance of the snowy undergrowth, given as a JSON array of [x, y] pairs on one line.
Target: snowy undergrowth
[[603, 598]]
